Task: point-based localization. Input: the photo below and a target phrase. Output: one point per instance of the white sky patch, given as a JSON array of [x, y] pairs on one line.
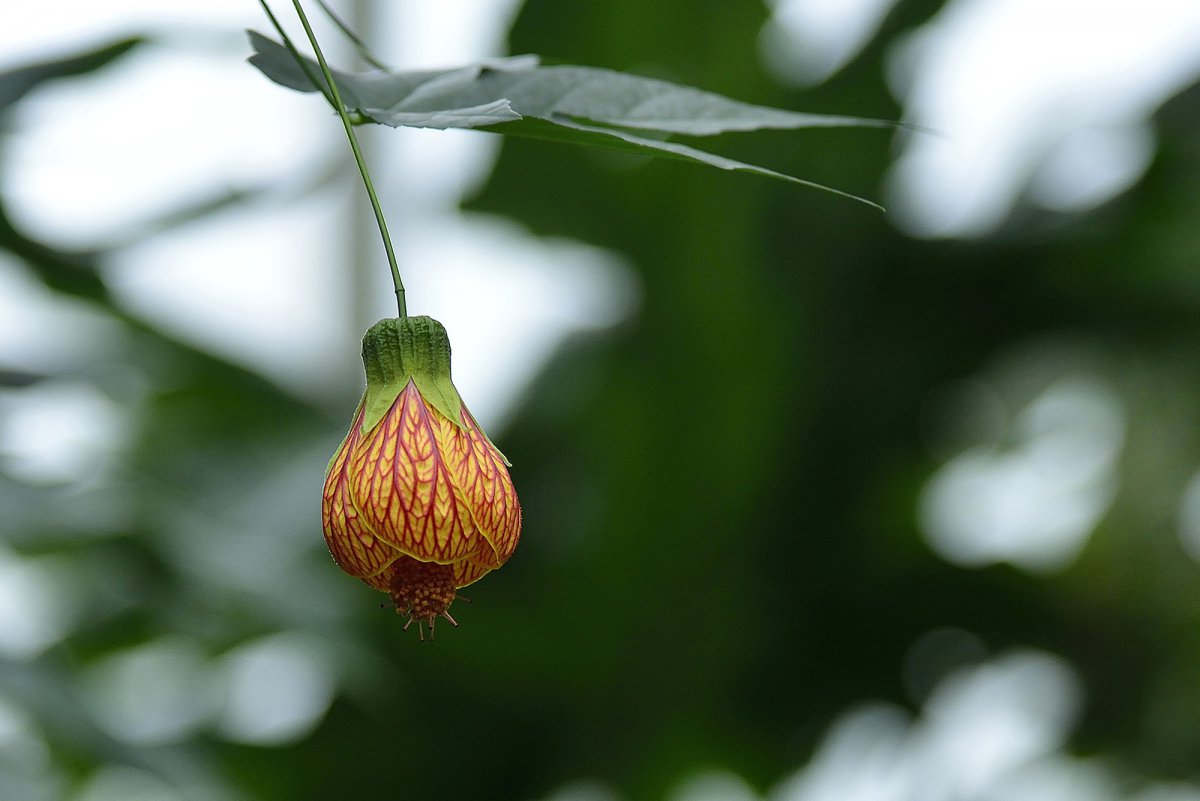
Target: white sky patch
[[1089, 165], [419, 35], [861, 758], [33, 614], [1189, 517], [95, 156], [1033, 501], [1057, 90], [126, 783], [985, 722], [807, 41], [34, 31], [714, 786], [264, 287], [59, 432], [423, 169], [41, 332], [276, 689], [979, 733], [152, 694]]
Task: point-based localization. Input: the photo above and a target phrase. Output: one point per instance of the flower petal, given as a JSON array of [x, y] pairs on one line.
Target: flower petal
[[468, 572], [349, 537], [481, 475], [404, 487]]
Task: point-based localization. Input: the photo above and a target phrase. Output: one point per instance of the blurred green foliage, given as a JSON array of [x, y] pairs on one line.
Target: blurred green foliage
[[721, 550]]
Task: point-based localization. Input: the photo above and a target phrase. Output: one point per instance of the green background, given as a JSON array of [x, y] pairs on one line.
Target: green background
[[721, 550]]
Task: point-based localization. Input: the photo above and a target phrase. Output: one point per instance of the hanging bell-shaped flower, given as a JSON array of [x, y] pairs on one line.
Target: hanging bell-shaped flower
[[418, 502]]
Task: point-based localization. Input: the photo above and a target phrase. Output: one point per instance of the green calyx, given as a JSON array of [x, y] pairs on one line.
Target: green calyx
[[396, 351]]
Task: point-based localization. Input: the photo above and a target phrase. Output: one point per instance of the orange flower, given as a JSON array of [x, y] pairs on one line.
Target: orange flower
[[418, 502]]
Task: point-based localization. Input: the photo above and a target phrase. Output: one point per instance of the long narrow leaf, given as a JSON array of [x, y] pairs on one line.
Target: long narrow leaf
[[582, 105], [563, 129]]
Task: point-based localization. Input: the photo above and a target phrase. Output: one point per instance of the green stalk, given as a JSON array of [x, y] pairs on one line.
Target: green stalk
[[363, 51], [358, 158], [300, 62]]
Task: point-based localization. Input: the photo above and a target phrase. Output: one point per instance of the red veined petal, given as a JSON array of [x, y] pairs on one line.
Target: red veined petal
[[402, 484], [468, 572], [487, 488], [348, 536]]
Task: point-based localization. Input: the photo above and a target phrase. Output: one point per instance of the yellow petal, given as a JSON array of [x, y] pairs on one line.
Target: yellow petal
[[349, 537], [400, 481], [468, 572], [485, 487]]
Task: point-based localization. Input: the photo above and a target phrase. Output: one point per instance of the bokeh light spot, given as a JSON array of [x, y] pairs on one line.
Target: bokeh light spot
[[1189, 517], [806, 41], [277, 688], [159, 692], [714, 786], [33, 615], [59, 431], [1033, 502], [125, 783]]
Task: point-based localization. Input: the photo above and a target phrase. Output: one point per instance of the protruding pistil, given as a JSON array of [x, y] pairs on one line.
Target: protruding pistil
[[422, 591]]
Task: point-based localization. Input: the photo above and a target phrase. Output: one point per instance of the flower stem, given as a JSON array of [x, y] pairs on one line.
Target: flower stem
[[363, 51], [358, 158]]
